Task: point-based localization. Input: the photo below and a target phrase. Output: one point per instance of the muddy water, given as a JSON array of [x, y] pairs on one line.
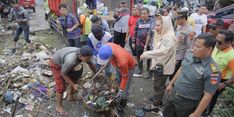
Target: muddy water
[[50, 38]]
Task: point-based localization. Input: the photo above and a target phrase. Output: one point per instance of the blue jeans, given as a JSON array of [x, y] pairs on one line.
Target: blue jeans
[[130, 75], [19, 30]]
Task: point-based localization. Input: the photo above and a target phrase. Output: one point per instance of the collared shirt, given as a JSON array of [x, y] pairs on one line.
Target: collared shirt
[[197, 76], [19, 13], [66, 58], [124, 61], [183, 40], [68, 22], [142, 30], [225, 61], [122, 24]]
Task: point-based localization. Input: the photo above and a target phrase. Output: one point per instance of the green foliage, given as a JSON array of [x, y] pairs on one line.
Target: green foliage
[[229, 95], [225, 104]]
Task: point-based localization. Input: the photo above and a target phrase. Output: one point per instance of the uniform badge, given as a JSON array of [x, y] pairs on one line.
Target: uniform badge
[[213, 68], [214, 78]]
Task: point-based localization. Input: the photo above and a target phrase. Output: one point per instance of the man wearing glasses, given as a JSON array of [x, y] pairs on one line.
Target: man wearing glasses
[[223, 55]]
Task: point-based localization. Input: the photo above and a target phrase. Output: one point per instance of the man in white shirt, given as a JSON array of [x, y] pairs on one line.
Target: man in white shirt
[[200, 20], [152, 8]]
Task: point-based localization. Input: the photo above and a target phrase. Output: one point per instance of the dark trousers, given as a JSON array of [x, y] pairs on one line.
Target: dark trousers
[[178, 106], [178, 64], [159, 88], [119, 38], [91, 4], [19, 31], [74, 42], [139, 51], [130, 44]]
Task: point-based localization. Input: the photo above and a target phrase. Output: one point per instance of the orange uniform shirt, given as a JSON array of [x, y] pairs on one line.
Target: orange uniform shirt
[[122, 60]]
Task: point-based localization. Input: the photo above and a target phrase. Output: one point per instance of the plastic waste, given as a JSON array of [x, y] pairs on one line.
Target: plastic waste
[[139, 113], [8, 97]]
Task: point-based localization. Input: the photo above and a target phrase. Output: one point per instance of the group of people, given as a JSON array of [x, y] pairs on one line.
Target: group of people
[[198, 63]]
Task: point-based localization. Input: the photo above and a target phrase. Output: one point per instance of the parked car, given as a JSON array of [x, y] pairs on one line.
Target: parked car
[[28, 4], [226, 14]]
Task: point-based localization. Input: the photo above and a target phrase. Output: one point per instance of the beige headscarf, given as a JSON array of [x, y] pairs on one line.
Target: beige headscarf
[[167, 31]]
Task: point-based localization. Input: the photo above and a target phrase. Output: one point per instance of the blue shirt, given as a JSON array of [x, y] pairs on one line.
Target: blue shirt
[[68, 22]]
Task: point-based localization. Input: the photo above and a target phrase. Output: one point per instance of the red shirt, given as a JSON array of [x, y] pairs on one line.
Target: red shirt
[[124, 61], [132, 24]]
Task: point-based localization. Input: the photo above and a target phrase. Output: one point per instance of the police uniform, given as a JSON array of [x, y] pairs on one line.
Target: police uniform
[[197, 76]]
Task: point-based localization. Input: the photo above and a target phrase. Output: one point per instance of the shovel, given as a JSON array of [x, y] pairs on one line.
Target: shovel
[[90, 82]]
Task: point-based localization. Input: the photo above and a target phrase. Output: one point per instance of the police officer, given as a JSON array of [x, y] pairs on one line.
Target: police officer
[[197, 76]]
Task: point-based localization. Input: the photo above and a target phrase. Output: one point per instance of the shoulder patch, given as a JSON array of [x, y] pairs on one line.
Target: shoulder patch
[[214, 78], [213, 68]]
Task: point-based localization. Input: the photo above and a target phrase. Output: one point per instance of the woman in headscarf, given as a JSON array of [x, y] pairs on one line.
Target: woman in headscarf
[[162, 55]]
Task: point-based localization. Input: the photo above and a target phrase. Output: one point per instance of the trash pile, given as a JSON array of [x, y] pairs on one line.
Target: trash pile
[[99, 94], [25, 78]]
